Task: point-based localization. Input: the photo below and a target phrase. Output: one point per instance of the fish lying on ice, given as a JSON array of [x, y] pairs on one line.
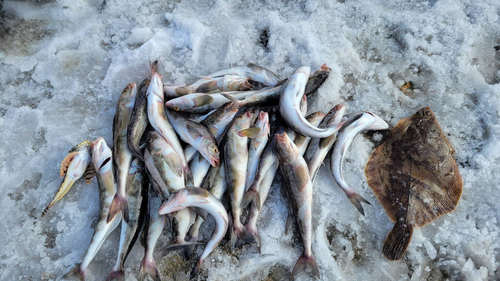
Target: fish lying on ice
[[138, 120]]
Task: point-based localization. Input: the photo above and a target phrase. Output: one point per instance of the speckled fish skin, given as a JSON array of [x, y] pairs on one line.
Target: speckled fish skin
[[298, 187], [256, 147], [318, 148], [208, 85], [252, 71], [202, 103], [122, 155], [353, 126], [137, 186], [138, 120], [197, 135], [291, 94], [200, 198], [153, 229], [73, 167], [102, 159], [158, 119], [236, 160]]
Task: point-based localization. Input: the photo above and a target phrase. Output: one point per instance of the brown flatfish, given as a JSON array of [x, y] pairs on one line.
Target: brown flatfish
[[415, 178]]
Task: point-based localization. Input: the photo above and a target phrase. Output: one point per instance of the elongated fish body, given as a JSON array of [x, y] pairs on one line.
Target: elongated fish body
[[158, 119], [256, 147], [208, 85], [353, 126], [236, 160], [302, 141], [251, 71], [197, 135], [200, 198], [122, 155], [73, 167], [138, 120], [320, 147], [102, 160], [154, 175], [292, 93], [153, 229], [266, 96], [202, 103], [298, 186], [136, 192]]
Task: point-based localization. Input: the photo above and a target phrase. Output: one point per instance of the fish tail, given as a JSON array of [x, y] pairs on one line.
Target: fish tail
[[356, 200], [189, 175], [75, 272], [306, 263], [119, 204], [148, 268], [251, 196], [154, 67], [195, 273], [240, 236], [255, 235], [63, 189], [398, 240], [116, 275]]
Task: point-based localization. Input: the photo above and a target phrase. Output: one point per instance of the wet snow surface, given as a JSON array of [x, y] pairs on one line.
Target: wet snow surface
[[64, 64]]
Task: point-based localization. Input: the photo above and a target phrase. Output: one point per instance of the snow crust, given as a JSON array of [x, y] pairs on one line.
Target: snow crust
[[64, 64]]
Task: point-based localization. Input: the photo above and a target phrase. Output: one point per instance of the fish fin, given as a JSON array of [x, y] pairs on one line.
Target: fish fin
[[63, 189], [251, 196], [174, 163], [249, 133], [306, 263], [289, 223], [89, 173], [256, 238], [154, 67], [119, 204], [356, 200], [116, 275], [65, 163], [203, 100], [75, 272], [397, 240], [202, 213], [196, 133], [240, 236], [189, 175], [148, 268], [324, 143], [236, 102]]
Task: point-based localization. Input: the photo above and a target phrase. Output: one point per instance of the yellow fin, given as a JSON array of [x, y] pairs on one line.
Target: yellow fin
[[65, 163], [249, 133]]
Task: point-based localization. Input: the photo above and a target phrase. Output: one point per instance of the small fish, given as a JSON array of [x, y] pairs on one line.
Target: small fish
[[251, 71], [200, 198], [208, 85], [159, 121], [256, 147], [197, 135], [137, 188], [319, 148], [353, 126], [298, 187], [102, 159], [73, 167], [138, 121], [292, 93], [236, 160], [153, 229], [202, 103]]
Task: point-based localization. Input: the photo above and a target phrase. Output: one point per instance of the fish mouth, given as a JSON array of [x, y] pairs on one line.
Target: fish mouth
[[262, 115], [215, 162], [281, 137], [249, 114], [169, 207], [97, 141]]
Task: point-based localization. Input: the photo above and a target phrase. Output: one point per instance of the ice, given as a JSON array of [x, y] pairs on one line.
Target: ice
[[64, 64]]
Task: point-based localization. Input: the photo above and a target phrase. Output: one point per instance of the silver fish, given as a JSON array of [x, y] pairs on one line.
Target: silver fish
[[256, 147], [251, 71], [159, 121], [353, 126], [298, 187], [136, 191], [121, 153], [138, 120], [73, 167], [202, 103], [197, 135], [102, 160], [319, 148], [291, 94], [200, 198], [153, 229], [208, 85]]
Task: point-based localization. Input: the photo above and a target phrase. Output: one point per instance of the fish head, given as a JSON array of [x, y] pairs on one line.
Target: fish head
[[263, 123], [378, 123], [243, 120], [101, 154], [303, 71], [283, 144], [315, 118], [127, 98], [335, 115], [210, 151], [179, 104], [156, 86], [176, 202]]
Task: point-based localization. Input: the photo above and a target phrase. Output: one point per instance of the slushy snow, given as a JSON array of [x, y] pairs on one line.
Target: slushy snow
[[63, 65]]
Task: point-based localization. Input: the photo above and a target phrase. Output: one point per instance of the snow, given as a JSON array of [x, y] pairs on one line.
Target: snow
[[64, 64]]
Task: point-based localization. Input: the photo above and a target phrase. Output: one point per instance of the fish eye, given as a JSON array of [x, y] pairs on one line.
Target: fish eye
[[176, 108], [215, 150]]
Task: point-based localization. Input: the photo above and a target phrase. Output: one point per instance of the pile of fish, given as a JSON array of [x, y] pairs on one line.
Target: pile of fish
[[177, 149]]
